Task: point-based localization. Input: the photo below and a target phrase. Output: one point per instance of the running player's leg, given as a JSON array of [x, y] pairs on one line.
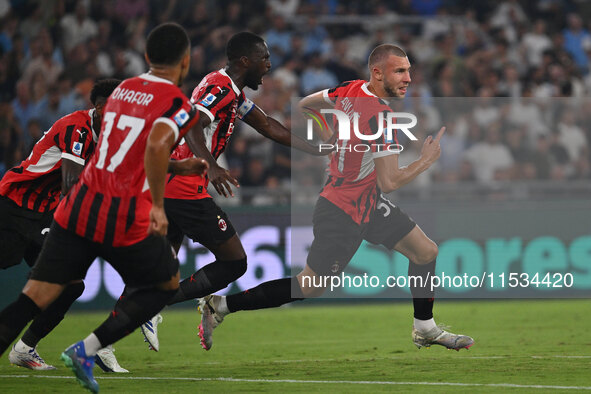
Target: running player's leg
[[47, 320], [24, 352], [205, 222], [12, 242], [421, 253], [391, 227], [150, 271], [64, 258], [336, 239]]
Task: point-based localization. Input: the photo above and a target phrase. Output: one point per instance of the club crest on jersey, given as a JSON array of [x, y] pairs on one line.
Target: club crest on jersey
[[208, 100], [77, 148], [222, 224], [181, 117]]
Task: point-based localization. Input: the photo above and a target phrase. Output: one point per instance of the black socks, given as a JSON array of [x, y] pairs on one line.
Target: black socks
[[14, 318], [134, 308], [45, 322], [422, 296], [266, 295], [209, 279]]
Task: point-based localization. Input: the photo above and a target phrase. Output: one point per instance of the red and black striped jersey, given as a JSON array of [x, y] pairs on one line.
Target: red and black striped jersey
[[219, 98], [352, 184], [36, 183], [111, 202]]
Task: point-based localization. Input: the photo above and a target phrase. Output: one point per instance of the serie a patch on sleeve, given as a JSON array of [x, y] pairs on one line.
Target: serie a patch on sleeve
[[181, 118], [77, 148]]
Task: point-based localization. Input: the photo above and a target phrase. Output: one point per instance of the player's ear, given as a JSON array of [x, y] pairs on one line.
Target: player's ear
[[377, 73], [186, 61], [146, 57], [245, 61]]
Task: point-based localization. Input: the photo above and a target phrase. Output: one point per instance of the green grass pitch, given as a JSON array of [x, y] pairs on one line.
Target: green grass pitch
[[521, 346]]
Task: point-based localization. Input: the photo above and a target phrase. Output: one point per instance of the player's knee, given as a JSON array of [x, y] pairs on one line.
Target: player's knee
[[311, 288], [75, 289], [428, 253], [170, 285], [42, 293], [236, 268]]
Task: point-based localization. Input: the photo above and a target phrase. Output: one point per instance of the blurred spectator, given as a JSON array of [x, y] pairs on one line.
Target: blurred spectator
[[32, 25], [7, 33], [574, 36], [77, 27], [450, 161], [570, 135], [490, 159], [44, 61], [316, 37], [255, 173], [70, 99], [316, 76], [51, 113], [129, 10], [278, 40], [22, 107], [535, 42], [198, 23], [284, 8], [339, 63], [34, 133]]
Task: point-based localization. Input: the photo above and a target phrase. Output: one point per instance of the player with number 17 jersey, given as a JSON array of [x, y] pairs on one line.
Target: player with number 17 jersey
[[111, 202]]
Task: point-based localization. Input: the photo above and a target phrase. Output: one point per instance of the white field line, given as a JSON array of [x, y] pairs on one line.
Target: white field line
[[320, 360], [296, 381]]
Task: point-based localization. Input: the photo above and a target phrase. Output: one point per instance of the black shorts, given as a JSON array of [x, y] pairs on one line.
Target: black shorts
[[337, 237], [22, 233], [66, 256], [201, 220]]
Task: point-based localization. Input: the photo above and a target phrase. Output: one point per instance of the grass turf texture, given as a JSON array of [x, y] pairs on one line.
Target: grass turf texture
[[543, 342]]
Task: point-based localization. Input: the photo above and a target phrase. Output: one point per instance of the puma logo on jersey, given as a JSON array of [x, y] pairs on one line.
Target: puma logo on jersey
[[45, 231], [79, 132]]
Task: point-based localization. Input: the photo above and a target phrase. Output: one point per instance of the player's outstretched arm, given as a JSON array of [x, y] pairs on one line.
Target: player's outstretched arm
[[219, 177], [272, 129], [160, 141], [70, 173], [188, 166], [391, 177]]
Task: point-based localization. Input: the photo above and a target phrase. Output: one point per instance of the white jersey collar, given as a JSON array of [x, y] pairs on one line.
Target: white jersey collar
[[154, 78], [95, 136], [225, 74]]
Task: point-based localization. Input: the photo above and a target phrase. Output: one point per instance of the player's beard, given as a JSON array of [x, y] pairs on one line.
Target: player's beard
[[252, 80], [391, 91]]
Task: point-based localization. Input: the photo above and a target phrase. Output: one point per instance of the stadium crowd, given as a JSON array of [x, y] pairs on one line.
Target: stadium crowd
[[523, 64]]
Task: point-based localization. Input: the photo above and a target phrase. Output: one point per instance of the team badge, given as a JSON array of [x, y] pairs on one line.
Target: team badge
[[222, 224], [335, 267], [181, 117], [206, 102], [77, 148]]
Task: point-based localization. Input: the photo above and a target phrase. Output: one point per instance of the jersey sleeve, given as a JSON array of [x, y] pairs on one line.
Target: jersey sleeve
[[331, 95], [180, 116], [244, 106], [73, 139], [211, 99]]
